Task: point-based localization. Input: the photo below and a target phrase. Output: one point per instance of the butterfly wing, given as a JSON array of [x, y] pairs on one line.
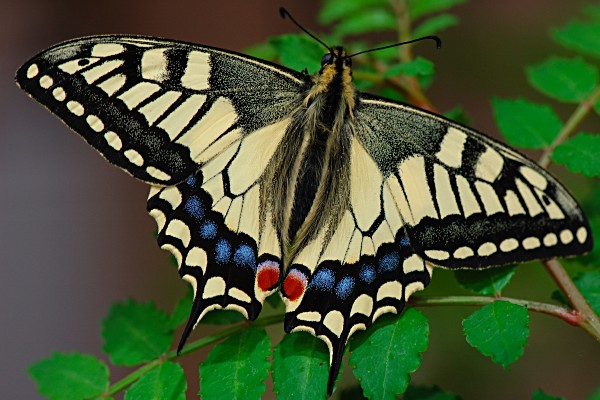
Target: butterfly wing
[[423, 191], [468, 201], [199, 124]]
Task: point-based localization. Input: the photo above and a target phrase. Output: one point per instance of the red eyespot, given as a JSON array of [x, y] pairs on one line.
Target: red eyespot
[[267, 275], [294, 285]]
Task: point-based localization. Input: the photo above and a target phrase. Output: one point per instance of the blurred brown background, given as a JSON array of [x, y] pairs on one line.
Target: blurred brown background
[[75, 236]]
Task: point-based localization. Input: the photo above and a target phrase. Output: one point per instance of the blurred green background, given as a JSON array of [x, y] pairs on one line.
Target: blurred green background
[[75, 236]]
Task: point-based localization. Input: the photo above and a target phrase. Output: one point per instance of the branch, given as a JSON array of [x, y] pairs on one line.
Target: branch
[[550, 309]]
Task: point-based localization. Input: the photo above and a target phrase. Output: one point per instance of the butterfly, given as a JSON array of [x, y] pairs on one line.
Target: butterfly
[[265, 179]]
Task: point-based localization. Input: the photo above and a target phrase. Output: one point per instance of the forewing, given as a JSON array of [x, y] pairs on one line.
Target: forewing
[[355, 270], [157, 108], [468, 201]]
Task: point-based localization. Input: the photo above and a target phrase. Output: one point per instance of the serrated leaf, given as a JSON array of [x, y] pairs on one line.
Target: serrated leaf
[[298, 52], [580, 36], [418, 66], [564, 79], [351, 393], [487, 282], [237, 367], [334, 9], [580, 154], [165, 382], [376, 20], [419, 8], [420, 392], [70, 376], [526, 124], [498, 330], [300, 368], [434, 25], [135, 332], [384, 357], [540, 395]]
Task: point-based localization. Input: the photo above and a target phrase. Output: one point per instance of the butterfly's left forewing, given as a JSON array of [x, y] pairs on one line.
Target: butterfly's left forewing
[[199, 124]]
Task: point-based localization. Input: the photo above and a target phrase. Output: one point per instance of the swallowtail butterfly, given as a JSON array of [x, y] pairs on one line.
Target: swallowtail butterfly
[[263, 179]]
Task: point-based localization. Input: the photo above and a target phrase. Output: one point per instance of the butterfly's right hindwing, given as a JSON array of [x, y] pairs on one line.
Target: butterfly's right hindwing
[[154, 107]]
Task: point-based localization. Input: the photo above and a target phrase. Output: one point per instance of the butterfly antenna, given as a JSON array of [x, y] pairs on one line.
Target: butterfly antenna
[[285, 13], [438, 44]]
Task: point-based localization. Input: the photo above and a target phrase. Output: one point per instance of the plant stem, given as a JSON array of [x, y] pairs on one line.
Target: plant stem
[[582, 111], [191, 347], [586, 317], [544, 308]]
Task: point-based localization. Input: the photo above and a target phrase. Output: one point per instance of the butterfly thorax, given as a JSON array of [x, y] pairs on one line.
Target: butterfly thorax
[[311, 172]]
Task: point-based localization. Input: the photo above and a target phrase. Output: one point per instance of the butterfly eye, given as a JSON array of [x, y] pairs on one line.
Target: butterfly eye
[[348, 61], [327, 59]]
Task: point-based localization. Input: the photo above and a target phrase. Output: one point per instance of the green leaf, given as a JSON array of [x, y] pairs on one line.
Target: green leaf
[[237, 367], [70, 376], [580, 154], [264, 51], [580, 36], [165, 382], [588, 284], [418, 66], [376, 20], [487, 282], [222, 317], [135, 332], [498, 330], [526, 124], [298, 52], [592, 10], [181, 312], [334, 9], [419, 8], [435, 25], [595, 395], [384, 357], [300, 368], [540, 395], [419, 392], [458, 114], [564, 79]]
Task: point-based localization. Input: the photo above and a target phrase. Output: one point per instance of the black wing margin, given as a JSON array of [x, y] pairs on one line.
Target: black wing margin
[[468, 201]]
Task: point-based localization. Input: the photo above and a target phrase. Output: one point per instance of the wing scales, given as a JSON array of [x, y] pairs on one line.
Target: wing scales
[[468, 201]]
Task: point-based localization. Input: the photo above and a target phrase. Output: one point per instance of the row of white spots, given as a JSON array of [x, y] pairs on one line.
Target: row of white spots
[[93, 121], [507, 245]]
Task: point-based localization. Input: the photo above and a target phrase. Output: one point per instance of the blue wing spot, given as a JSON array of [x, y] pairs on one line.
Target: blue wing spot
[[389, 262], [404, 241], [323, 279], [194, 207], [344, 287], [367, 273], [208, 230], [244, 256], [191, 181], [222, 251]]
